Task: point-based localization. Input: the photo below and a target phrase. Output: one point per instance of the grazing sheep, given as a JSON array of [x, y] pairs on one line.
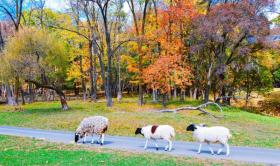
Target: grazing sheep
[[216, 134], [155, 132], [90, 126]]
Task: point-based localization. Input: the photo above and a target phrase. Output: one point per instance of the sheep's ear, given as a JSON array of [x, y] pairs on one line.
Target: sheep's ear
[[203, 125]]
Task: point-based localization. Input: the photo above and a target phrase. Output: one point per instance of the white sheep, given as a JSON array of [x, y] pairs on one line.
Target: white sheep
[[215, 134], [90, 126], [156, 132]]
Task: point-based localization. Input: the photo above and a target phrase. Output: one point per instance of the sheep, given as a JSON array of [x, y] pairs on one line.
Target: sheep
[[92, 125], [209, 135], [156, 132]]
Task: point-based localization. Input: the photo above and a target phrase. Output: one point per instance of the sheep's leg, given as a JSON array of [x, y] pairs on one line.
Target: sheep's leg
[[146, 144], [221, 149], [170, 145], [156, 144], [211, 150], [85, 138], [102, 139], [199, 148], [227, 146], [92, 139]]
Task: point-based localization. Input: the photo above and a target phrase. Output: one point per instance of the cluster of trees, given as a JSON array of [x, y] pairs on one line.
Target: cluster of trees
[[158, 47]]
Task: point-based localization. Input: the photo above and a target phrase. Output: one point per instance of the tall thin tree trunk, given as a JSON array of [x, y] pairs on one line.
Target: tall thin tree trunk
[[17, 88], [208, 85], [140, 95], [183, 95], [83, 82], [119, 95], [195, 93], [31, 94], [154, 95], [175, 93], [22, 96], [91, 72], [10, 98], [164, 96]]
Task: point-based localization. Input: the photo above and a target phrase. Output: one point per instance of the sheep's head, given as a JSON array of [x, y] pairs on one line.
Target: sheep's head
[[191, 127], [138, 131], [77, 137]]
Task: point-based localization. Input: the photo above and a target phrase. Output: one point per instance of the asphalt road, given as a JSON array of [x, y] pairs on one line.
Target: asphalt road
[[247, 154]]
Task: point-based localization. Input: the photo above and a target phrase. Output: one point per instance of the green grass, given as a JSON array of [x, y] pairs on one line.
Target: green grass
[[23, 151], [248, 129]]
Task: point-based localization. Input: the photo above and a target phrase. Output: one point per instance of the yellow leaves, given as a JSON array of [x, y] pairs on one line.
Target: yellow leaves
[[266, 58], [131, 63]]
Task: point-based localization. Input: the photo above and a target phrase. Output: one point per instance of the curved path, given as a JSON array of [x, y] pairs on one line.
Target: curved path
[[247, 154]]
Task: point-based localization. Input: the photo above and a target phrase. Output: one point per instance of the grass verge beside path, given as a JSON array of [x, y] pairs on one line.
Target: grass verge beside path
[[26, 151], [248, 129]]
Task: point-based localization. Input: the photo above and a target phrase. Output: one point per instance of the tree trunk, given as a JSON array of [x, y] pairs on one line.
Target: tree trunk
[[140, 95], [83, 82], [175, 93], [22, 96], [31, 94], [108, 89], [10, 98], [17, 88], [63, 101], [119, 95], [183, 95], [195, 93], [154, 95], [208, 85], [91, 73], [164, 96]]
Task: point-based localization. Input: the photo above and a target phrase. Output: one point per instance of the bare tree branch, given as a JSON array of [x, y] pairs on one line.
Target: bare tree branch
[[199, 108]]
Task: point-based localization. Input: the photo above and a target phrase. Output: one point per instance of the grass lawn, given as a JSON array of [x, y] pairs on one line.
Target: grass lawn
[[26, 151], [248, 129]]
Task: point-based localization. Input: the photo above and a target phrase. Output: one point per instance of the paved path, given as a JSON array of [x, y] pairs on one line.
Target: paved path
[[248, 154]]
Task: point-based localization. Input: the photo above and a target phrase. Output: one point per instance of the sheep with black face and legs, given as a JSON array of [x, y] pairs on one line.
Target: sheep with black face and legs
[[156, 132], [215, 134], [92, 125]]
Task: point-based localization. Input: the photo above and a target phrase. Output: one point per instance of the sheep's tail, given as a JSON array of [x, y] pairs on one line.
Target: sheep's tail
[[229, 135], [172, 134]]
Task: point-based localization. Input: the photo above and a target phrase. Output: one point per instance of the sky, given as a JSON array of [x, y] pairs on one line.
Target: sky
[[60, 5]]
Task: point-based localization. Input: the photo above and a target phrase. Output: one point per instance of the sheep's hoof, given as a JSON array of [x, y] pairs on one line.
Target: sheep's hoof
[[156, 148], [101, 144], [84, 142], [198, 152]]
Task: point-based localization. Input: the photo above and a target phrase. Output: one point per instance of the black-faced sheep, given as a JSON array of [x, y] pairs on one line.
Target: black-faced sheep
[[216, 134], [90, 126], [156, 132]]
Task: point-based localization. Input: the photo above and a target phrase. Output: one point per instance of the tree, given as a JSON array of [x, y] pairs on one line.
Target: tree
[[234, 29], [166, 70], [139, 26], [37, 57]]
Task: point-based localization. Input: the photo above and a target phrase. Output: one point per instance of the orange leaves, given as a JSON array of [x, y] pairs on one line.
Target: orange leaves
[[167, 71]]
